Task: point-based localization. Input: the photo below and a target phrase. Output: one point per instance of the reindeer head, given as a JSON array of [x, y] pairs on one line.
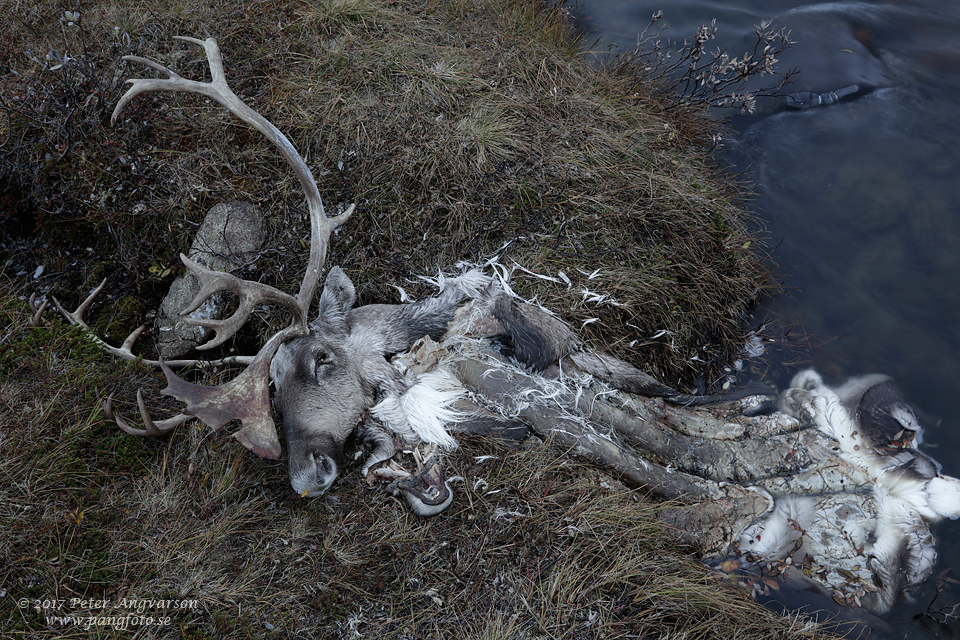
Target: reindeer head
[[327, 380], [321, 390], [308, 357]]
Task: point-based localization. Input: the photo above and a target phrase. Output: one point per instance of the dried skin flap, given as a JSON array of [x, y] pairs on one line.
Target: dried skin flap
[[245, 398]]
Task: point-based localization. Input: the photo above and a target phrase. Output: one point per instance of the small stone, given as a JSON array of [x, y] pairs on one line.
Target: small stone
[[231, 235]]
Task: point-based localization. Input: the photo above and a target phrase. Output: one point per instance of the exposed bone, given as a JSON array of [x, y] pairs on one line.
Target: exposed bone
[[779, 456], [427, 491]]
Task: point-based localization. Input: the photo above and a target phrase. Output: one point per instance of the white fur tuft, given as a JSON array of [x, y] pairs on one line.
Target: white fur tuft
[[944, 497], [472, 282], [834, 420], [904, 553], [807, 379], [420, 414]]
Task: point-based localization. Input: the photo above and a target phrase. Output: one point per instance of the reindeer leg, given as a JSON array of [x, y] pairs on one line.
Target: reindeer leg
[[384, 448]]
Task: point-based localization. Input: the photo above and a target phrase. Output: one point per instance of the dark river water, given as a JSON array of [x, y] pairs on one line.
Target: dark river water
[[861, 201]]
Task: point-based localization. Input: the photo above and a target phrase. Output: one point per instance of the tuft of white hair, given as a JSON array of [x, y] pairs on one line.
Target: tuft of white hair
[[904, 553], [933, 499], [472, 282], [944, 492], [422, 413], [808, 380], [834, 420]]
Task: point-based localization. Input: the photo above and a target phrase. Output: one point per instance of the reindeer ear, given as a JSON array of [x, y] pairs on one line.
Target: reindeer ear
[[337, 298]]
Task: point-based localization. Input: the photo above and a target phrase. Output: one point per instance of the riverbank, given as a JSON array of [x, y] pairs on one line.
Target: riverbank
[[458, 129]]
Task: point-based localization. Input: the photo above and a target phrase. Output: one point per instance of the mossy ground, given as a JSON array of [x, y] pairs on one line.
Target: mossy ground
[[458, 128]]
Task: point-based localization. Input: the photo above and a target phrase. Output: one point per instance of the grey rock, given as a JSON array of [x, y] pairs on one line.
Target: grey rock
[[230, 236]]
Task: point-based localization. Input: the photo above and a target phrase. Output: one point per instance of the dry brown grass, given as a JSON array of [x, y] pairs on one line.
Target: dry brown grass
[[457, 127], [536, 545]]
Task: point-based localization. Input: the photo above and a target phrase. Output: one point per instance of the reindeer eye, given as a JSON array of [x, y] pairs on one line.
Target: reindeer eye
[[323, 358]]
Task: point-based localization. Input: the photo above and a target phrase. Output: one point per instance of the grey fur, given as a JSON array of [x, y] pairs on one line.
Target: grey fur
[[326, 381], [541, 339]]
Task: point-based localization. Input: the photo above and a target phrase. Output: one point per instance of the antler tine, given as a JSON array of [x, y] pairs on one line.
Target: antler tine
[[76, 318], [125, 350], [37, 316], [144, 85], [247, 397], [251, 294], [82, 309], [320, 225], [152, 428]]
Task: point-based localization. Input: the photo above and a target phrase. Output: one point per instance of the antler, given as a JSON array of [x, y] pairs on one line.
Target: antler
[[247, 397], [321, 226], [125, 350], [36, 309], [160, 428]]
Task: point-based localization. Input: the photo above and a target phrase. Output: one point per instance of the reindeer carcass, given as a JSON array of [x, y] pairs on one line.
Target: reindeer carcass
[[793, 493]]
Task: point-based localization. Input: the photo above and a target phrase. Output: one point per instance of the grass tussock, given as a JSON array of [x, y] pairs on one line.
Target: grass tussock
[[458, 127], [535, 546]]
